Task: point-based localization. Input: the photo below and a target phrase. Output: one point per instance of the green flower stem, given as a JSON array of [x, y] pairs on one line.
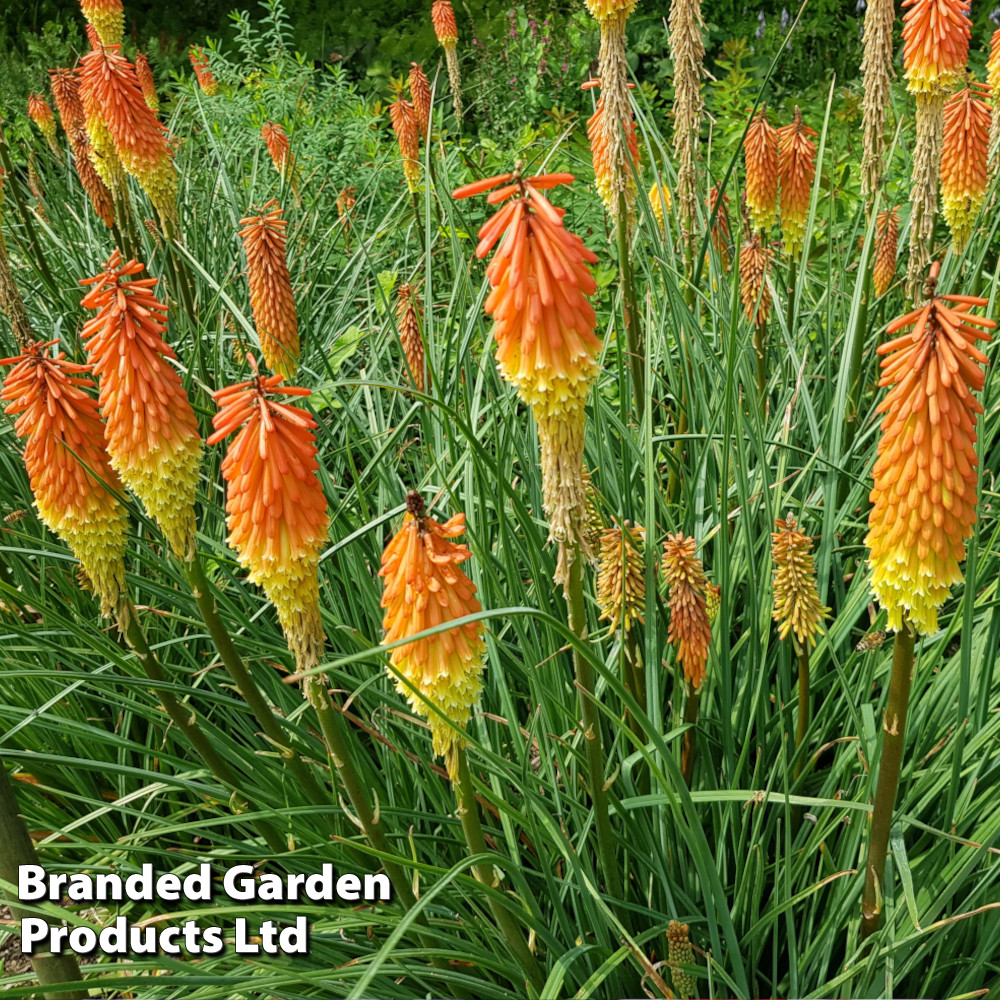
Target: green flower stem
[[633, 333], [803, 720], [185, 720], [592, 732], [245, 684], [16, 849], [468, 810], [689, 747], [894, 726], [760, 352]]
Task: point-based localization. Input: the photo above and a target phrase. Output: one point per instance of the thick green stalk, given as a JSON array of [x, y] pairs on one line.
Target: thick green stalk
[[689, 748], [16, 849], [245, 684], [185, 719], [592, 732], [760, 351], [633, 333], [894, 726], [793, 267], [854, 386], [803, 719], [332, 725], [468, 810]]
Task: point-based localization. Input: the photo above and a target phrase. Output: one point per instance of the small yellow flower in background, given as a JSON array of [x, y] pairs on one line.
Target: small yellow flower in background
[[425, 587], [760, 153], [107, 18], [924, 494], [271, 298], [152, 432], [886, 248], [621, 578], [964, 161], [690, 631], [659, 202], [409, 311], [796, 600], [754, 292], [275, 506], [796, 171], [74, 485]]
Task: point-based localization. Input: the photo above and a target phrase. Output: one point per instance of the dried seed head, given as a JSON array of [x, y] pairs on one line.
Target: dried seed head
[[690, 631], [621, 578], [796, 601], [924, 188], [924, 494], [876, 70]]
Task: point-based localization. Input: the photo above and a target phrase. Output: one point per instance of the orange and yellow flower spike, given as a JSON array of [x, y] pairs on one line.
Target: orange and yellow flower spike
[[271, 297], [409, 311], [924, 495], [886, 247], [279, 149], [609, 10], [144, 74], [760, 153], [71, 477], [993, 82], [690, 631], [115, 108], [615, 163], [964, 161], [722, 237], [446, 30], [755, 294], [796, 170], [406, 127], [936, 37], [425, 587], [543, 325], [203, 74], [152, 432], [107, 18], [420, 94], [796, 600], [275, 507], [41, 114]]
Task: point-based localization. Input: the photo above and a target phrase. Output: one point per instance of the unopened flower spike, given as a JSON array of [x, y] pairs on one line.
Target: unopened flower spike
[[203, 74], [690, 631], [279, 149], [271, 298], [924, 494], [275, 506], [409, 312], [886, 248], [41, 114], [425, 587], [405, 125], [152, 432], [144, 74], [420, 95], [797, 608], [621, 578], [76, 490]]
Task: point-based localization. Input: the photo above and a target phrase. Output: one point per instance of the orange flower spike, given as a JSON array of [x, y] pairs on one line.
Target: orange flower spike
[[41, 114], [278, 149], [144, 74], [71, 477], [425, 587], [760, 151], [406, 127], [796, 170], [690, 631], [66, 94], [925, 479], [271, 298], [886, 247], [755, 259], [445, 25], [964, 161], [420, 93], [936, 37], [107, 18], [993, 66], [206, 78], [112, 98], [152, 431], [275, 506]]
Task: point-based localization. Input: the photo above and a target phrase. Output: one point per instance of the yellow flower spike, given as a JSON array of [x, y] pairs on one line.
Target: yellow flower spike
[[796, 600], [425, 587], [621, 579], [107, 18], [925, 480], [796, 170], [659, 203]]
